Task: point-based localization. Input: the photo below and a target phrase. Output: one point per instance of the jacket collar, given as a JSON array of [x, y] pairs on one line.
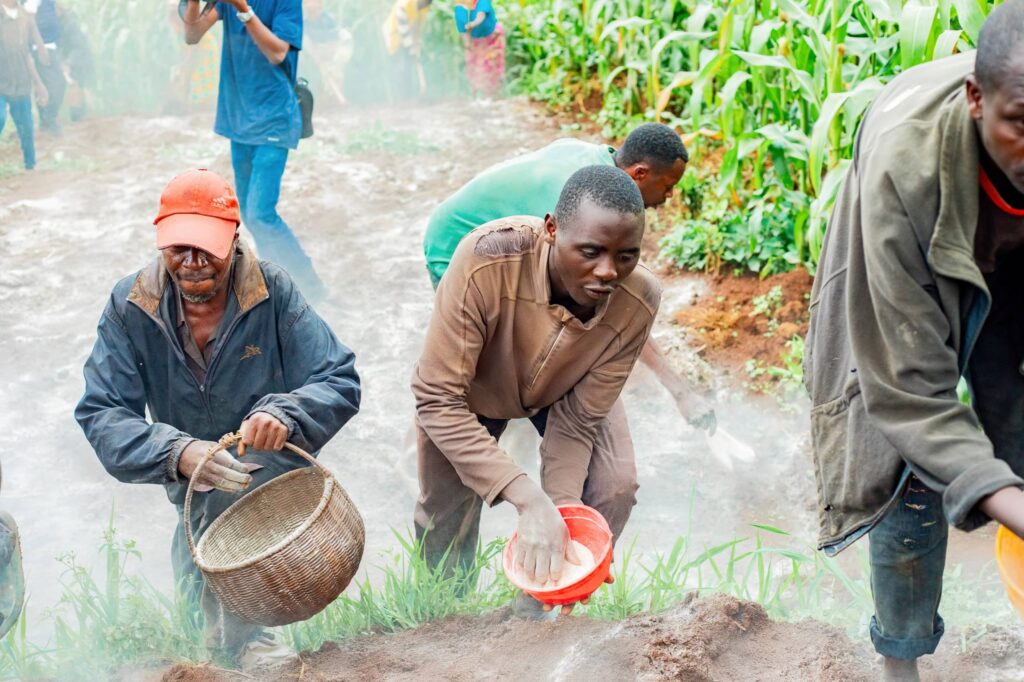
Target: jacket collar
[[951, 251], [248, 282]]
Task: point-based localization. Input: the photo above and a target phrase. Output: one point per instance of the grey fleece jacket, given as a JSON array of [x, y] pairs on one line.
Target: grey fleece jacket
[[897, 305]]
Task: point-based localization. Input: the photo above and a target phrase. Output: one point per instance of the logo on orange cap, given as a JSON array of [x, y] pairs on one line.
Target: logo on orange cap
[[198, 208]]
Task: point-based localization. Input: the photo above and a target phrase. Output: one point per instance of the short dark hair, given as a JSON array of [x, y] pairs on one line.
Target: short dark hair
[[606, 186], [999, 40], [655, 143]]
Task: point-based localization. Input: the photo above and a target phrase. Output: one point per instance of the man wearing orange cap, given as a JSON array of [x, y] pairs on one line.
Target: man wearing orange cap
[[211, 341]]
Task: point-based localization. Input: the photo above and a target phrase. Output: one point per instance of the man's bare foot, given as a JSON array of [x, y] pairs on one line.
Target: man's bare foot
[[900, 670]]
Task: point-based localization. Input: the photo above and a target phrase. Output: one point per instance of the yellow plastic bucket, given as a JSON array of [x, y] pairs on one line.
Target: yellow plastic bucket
[[1010, 560]]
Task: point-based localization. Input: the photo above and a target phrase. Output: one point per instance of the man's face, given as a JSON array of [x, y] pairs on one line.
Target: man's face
[[199, 274], [591, 257], [999, 113], [656, 183]]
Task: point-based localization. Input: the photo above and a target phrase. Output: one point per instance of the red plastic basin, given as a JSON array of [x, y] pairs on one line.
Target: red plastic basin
[[587, 527]]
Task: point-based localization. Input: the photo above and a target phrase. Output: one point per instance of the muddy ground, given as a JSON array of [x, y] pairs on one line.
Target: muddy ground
[[715, 639], [358, 195]]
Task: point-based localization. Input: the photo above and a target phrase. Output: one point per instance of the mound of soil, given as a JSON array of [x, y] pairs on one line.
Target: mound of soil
[[722, 321], [715, 638]]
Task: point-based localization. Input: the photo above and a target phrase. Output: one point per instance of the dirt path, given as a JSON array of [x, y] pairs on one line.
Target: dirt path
[[718, 638]]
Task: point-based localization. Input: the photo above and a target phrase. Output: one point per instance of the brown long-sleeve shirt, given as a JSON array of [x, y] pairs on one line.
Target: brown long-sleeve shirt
[[498, 347]]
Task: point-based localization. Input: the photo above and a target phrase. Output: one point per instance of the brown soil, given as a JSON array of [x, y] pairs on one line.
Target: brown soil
[[192, 673], [714, 638], [723, 327]]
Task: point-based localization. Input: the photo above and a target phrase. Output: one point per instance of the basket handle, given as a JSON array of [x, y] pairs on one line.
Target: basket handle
[[225, 442]]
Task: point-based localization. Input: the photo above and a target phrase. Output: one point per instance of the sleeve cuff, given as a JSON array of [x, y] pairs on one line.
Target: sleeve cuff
[[171, 464], [278, 414], [492, 497], [962, 496]]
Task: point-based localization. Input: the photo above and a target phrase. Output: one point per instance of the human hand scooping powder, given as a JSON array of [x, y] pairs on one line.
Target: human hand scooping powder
[[579, 562], [542, 549]]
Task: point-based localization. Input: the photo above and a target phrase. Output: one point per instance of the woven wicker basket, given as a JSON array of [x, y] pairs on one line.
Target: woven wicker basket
[[284, 551]]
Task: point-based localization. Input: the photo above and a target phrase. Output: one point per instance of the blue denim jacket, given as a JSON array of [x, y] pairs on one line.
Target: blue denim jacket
[[275, 355]]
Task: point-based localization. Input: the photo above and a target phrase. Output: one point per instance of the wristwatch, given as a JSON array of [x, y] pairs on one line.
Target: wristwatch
[[245, 17]]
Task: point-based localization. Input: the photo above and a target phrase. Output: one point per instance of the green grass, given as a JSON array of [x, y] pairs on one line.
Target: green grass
[[116, 618], [378, 138]]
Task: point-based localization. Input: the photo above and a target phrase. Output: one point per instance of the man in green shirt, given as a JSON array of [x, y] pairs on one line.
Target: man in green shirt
[[653, 155]]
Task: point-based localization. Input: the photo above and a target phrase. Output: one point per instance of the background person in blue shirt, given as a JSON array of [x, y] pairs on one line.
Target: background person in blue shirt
[[257, 110]]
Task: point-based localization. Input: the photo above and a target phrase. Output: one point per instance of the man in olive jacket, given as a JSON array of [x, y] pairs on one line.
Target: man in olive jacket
[[916, 287]]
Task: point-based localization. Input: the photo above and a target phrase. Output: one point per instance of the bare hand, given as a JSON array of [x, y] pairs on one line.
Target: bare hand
[[567, 608], [543, 546], [240, 5], [223, 472], [42, 96], [263, 431], [1006, 506]]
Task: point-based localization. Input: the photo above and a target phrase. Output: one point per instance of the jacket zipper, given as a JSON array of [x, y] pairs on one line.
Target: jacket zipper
[[547, 355], [181, 356], [224, 341], [976, 332], [177, 352]]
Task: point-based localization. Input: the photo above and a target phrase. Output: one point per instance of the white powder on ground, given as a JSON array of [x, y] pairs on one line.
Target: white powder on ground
[[571, 573]]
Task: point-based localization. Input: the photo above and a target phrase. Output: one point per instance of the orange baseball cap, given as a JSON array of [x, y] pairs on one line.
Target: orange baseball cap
[[198, 208]]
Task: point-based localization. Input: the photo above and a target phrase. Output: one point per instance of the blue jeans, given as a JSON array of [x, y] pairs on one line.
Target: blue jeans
[[21, 112], [258, 171], [908, 555]]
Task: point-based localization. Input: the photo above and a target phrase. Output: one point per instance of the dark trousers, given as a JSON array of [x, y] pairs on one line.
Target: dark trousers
[[908, 547], [52, 75], [448, 513]]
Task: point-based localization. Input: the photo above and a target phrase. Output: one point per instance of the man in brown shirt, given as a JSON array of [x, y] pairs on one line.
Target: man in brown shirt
[[538, 319]]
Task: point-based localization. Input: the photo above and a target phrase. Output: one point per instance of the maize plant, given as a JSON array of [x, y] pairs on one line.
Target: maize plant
[[781, 85]]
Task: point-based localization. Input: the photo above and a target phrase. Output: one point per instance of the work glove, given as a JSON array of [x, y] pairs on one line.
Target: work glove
[[223, 472], [698, 411]]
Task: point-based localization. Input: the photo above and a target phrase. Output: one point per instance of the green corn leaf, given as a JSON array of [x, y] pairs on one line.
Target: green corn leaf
[[945, 45], [917, 25], [760, 35], [803, 79], [797, 12], [728, 91], [695, 22], [819, 135], [971, 17], [822, 205], [677, 37], [629, 23], [680, 80], [793, 142]]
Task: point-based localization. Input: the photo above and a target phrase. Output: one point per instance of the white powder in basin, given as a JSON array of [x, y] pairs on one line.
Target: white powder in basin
[[571, 573]]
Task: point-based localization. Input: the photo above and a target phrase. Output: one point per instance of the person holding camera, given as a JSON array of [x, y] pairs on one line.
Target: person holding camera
[[258, 111]]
